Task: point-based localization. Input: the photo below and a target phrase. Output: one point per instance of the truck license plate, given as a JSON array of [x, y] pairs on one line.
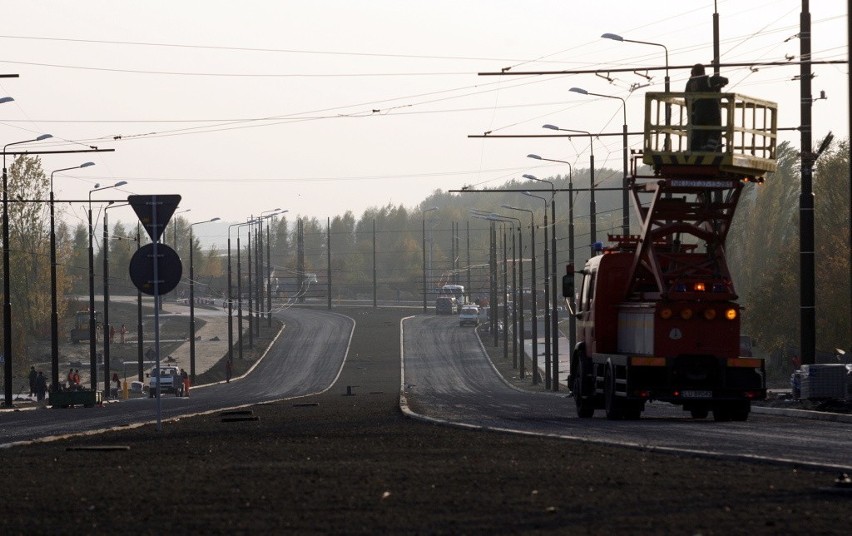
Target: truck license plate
[[697, 394]]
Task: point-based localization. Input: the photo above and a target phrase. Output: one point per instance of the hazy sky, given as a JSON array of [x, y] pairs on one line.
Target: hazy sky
[[326, 106]]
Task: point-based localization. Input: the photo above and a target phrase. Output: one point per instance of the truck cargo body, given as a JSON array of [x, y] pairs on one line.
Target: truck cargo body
[[679, 351]]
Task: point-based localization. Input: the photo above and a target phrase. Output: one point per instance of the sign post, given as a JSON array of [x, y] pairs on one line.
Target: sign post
[[155, 268]]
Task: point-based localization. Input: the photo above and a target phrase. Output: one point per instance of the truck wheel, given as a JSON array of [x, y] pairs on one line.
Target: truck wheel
[[614, 405], [699, 413], [582, 396], [633, 410], [721, 412], [739, 410]]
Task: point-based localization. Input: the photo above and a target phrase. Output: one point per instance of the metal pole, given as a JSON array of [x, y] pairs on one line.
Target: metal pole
[[572, 320], [93, 364], [248, 282], [157, 298], [520, 300], [514, 299], [140, 354], [536, 378], [625, 202], [505, 295], [328, 258], [54, 306], [7, 300], [268, 277], [468, 259], [191, 309], [593, 230], [554, 312], [258, 287], [375, 287], [106, 305], [548, 357], [492, 268], [806, 199], [424, 261], [239, 299], [230, 303]]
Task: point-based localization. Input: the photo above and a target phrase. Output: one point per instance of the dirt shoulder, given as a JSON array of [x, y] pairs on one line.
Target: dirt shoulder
[[354, 464]]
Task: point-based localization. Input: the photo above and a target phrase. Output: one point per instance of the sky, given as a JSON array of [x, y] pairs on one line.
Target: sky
[[324, 107]]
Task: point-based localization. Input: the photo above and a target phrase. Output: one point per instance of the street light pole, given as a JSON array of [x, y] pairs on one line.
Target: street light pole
[[616, 37], [192, 300], [516, 294], [423, 218], [592, 205], [666, 80], [140, 343], [625, 201], [7, 299], [554, 312], [230, 302], [54, 306], [269, 214], [535, 373], [93, 362], [107, 340], [548, 357], [554, 315]]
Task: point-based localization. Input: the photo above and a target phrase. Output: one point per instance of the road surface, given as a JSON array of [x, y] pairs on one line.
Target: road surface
[[448, 377]]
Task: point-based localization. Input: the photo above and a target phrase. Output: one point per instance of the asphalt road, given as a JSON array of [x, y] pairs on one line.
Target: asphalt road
[[335, 463], [449, 378], [305, 359]]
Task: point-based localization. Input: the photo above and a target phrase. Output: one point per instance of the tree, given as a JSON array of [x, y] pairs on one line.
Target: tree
[[764, 253], [29, 255]]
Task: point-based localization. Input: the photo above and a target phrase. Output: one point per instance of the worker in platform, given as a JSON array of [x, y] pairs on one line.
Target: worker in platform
[[704, 112]]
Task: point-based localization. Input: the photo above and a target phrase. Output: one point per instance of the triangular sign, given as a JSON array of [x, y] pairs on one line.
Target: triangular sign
[[154, 212]]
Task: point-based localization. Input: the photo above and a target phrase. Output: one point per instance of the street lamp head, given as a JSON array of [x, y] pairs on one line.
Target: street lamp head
[[614, 37], [217, 218], [530, 177], [537, 157], [551, 127], [44, 137], [119, 183], [87, 164], [6, 99], [579, 90], [97, 185]]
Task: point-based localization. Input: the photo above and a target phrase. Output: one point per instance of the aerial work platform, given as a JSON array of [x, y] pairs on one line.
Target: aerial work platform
[[744, 138]]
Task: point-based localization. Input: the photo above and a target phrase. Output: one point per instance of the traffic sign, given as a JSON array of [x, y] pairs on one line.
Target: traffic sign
[[169, 269], [154, 211]]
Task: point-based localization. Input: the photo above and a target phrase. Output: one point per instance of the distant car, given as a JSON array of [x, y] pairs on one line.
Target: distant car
[[168, 378], [469, 316], [445, 305]]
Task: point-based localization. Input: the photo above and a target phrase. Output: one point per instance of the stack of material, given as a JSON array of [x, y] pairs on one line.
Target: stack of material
[[824, 382]]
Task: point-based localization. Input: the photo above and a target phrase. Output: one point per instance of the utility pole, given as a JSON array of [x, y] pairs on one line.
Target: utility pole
[[807, 277]]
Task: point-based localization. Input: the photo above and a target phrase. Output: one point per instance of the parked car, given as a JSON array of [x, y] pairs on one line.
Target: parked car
[[469, 316], [168, 378]]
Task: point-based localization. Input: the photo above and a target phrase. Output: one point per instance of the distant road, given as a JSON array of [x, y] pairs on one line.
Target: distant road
[[306, 359], [448, 377]]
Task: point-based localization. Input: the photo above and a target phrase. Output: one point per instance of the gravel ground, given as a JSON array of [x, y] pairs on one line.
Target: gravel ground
[[336, 464]]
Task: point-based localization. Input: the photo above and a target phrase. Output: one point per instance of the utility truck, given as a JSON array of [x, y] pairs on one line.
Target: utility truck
[[657, 313]]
